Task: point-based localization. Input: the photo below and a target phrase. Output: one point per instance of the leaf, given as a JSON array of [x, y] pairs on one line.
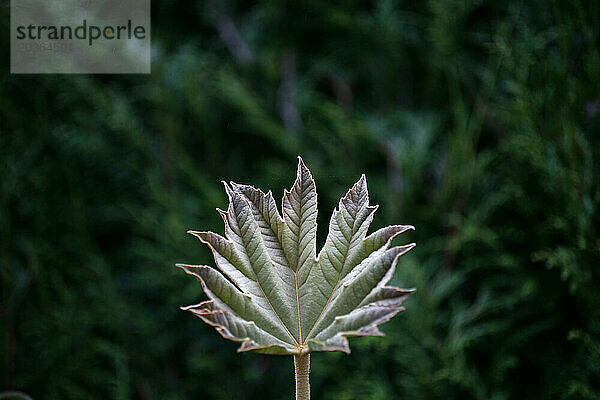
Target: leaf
[[274, 294]]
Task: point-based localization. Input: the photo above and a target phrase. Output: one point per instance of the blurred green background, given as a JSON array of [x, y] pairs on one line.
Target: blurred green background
[[476, 121]]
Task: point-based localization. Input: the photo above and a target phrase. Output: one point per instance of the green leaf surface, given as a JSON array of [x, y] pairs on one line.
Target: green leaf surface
[[274, 294]]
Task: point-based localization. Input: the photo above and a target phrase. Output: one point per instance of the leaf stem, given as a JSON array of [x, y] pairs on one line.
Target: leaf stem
[[302, 370]]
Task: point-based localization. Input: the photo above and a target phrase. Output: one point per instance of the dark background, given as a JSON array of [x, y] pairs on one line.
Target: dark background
[[476, 121]]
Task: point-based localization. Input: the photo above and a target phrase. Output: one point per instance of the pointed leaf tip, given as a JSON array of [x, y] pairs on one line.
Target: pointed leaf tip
[[303, 170], [199, 234]]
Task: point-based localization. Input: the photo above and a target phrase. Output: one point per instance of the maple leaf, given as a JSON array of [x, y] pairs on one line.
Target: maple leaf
[[274, 294]]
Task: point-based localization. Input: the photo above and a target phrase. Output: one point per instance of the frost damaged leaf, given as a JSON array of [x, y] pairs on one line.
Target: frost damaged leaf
[[275, 295]]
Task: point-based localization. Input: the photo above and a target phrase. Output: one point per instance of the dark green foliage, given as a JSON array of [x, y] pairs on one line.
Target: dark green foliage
[[477, 122]]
